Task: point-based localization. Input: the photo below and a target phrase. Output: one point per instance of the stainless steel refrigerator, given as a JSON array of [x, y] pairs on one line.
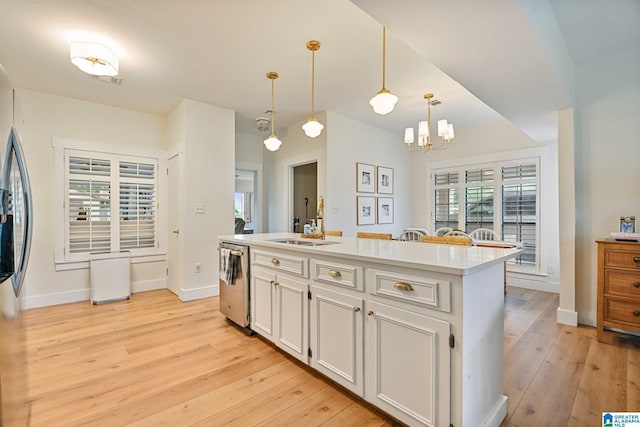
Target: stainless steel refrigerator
[[15, 242]]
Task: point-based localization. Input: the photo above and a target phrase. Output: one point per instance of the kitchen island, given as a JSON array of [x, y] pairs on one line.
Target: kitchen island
[[415, 329]]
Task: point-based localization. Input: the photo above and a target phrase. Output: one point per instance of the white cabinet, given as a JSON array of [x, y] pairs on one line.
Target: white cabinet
[[280, 310], [336, 336], [407, 360]]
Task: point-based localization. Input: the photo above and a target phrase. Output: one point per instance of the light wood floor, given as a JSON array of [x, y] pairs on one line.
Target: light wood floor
[[154, 361]]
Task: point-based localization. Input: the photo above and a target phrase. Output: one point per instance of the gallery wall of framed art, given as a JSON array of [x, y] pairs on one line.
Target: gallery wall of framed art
[[379, 207]]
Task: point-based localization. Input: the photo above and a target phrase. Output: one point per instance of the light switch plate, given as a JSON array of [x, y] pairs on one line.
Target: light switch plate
[[199, 208]]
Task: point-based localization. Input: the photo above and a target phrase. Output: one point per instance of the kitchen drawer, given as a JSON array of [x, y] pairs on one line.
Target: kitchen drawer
[[348, 276], [281, 262], [622, 282], [420, 290], [627, 312], [622, 258]]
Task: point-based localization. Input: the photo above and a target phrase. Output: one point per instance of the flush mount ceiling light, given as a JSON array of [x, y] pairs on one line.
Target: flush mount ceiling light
[[445, 131], [384, 101], [94, 58], [313, 127], [272, 143]]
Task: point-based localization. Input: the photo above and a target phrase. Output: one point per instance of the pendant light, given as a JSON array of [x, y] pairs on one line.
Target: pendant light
[[313, 127], [272, 143], [445, 131], [384, 101]]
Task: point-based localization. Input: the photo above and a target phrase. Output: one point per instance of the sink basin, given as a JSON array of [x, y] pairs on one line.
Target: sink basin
[[302, 242]]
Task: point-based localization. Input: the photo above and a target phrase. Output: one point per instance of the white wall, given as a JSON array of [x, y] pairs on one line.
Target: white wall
[[296, 149], [348, 142], [607, 174], [209, 179], [47, 116]]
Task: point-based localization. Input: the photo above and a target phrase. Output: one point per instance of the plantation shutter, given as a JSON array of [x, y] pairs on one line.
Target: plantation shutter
[[479, 199], [89, 204], [446, 199], [137, 205], [519, 208]]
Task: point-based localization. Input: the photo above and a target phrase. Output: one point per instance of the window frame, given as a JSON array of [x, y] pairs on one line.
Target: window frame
[[461, 167], [64, 259]]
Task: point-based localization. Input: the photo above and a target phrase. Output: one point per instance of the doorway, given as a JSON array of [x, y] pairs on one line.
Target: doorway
[[244, 197], [305, 195]]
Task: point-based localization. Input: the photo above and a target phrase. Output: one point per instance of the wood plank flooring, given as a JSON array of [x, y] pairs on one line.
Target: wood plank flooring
[[154, 360]]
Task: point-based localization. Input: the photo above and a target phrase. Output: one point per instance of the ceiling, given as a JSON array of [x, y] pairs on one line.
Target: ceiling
[[218, 52]]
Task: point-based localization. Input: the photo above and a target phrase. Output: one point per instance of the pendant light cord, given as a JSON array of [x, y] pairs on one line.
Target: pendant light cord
[[272, 107], [313, 82], [384, 54]]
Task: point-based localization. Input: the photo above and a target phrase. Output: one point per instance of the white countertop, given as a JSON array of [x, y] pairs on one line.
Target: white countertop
[[453, 259]]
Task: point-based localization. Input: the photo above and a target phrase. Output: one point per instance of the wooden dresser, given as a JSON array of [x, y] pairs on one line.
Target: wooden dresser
[[618, 288]]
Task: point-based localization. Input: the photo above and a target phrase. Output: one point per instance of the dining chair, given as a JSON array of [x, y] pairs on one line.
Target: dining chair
[[442, 231], [484, 234], [456, 232], [448, 240], [412, 235], [380, 236], [333, 233]]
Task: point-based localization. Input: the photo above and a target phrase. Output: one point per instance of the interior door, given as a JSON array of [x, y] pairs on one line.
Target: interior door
[[174, 260]]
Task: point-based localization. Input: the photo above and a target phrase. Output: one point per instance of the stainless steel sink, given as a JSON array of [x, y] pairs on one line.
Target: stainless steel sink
[[302, 242]]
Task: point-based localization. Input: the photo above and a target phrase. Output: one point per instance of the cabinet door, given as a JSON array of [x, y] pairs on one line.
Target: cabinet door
[[262, 302], [336, 337], [407, 359], [292, 316]]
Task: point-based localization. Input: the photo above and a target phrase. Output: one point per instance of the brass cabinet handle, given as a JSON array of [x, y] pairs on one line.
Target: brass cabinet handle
[[403, 286], [636, 259], [636, 313], [275, 261], [335, 273], [274, 283], [356, 309], [370, 313], [637, 284]]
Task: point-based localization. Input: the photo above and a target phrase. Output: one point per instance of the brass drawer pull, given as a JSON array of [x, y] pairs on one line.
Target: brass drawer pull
[[334, 273], [636, 313], [370, 313], [276, 283], [356, 309], [403, 286], [275, 261], [636, 259], [637, 284]]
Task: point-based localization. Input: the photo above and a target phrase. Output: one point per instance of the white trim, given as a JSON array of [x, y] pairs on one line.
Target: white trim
[[567, 317], [287, 165], [83, 295], [498, 413], [490, 158], [258, 195], [59, 143], [199, 293], [79, 265], [530, 281]]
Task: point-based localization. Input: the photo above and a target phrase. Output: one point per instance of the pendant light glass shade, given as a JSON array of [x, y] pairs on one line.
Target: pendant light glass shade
[[94, 58], [272, 143], [313, 127], [384, 101]]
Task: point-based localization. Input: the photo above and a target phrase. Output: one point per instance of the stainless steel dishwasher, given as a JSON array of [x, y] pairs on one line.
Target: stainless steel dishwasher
[[234, 284]]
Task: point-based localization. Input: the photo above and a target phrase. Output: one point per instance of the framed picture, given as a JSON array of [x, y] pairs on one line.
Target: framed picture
[[385, 180], [385, 210], [366, 210], [365, 178], [627, 224]]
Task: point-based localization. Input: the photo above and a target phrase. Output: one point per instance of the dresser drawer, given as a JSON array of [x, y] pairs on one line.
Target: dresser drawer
[[345, 275], [627, 312], [622, 282], [622, 258], [281, 262], [421, 290]]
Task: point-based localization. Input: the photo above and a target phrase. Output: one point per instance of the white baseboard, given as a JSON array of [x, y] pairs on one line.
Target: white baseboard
[[84, 294], [522, 281], [199, 293], [567, 317], [55, 299], [587, 318], [497, 415], [148, 285]]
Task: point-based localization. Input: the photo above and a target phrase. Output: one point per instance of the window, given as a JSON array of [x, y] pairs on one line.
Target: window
[[446, 200], [110, 204], [501, 196]]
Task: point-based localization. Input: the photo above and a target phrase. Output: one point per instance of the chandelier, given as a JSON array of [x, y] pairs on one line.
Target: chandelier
[[445, 132]]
